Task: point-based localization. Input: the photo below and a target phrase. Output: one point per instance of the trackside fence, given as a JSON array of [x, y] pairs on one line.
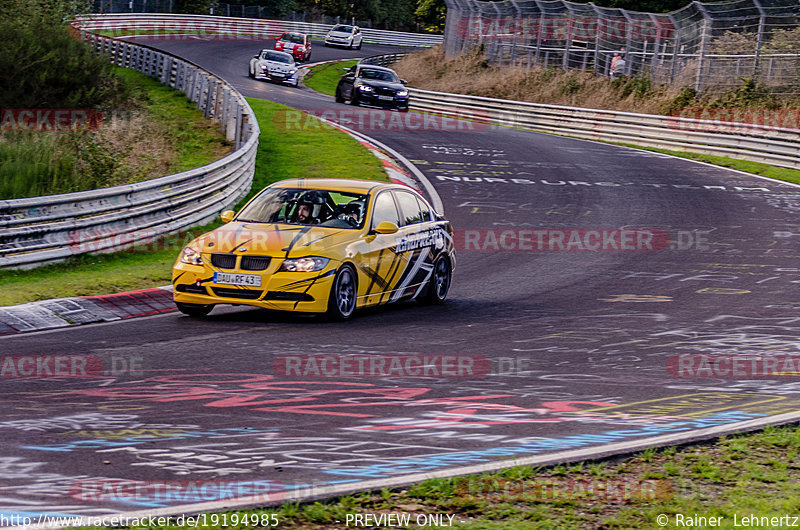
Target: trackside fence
[[38, 230]]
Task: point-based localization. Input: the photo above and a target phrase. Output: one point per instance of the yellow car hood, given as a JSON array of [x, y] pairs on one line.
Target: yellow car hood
[[278, 240]]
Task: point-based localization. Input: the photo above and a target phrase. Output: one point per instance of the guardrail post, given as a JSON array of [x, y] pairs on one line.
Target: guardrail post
[[209, 110], [239, 121], [226, 95]]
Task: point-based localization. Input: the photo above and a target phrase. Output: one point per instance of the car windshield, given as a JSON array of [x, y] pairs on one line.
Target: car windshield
[[277, 57], [343, 29], [379, 75], [293, 37], [300, 206]]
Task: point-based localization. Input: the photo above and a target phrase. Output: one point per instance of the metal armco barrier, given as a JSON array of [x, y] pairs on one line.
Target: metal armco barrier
[[169, 25], [777, 146], [758, 143], [38, 230], [383, 60]]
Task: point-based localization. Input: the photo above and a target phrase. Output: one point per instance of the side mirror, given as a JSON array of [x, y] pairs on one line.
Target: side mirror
[[385, 227], [277, 38], [403, 82], [255, 56], [227, 215]]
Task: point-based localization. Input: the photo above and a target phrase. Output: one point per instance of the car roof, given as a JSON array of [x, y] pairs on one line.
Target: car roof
[[343, 185], [376, 67], [277, 51]]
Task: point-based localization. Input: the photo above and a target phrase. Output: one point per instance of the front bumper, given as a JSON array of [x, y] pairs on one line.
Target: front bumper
[[277, 78], [400, 103], [335, 41], [305, 292]]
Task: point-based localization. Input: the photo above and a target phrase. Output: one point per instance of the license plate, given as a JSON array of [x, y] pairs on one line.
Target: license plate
[[278, 75], [385, 98], [246, 280]]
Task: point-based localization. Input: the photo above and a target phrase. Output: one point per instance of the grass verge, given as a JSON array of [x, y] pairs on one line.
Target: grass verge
[[310, 149], [734, 477], [324, 78], [156, 132]]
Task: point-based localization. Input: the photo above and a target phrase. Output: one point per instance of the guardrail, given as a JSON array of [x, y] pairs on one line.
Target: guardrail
[[776, 146], [169, 25], [758, 143], [38, 230], [383, 60]]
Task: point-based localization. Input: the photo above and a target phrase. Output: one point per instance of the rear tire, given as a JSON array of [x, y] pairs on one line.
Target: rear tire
[[194, 310], [439, 284], [342, 300]]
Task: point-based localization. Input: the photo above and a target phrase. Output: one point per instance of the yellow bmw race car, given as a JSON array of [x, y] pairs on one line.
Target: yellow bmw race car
[[317, 246]]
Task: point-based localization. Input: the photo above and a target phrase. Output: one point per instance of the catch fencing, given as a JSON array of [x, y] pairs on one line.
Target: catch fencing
[[703, 45], [38, 230]]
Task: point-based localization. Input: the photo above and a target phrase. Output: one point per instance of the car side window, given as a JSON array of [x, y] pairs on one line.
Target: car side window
[[384, 210], [409, 206], [425, 210]]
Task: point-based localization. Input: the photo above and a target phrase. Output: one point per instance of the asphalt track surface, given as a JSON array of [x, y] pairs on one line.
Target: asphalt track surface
[[575, 346]]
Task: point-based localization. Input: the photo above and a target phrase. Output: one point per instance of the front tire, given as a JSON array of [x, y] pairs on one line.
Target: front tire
[[359, 46], [251, 73], [342, 300], [339, 98], [354, 98], [194, 310], [439, 284]]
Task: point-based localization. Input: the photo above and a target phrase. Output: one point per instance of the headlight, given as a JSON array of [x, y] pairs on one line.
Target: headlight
[[292, 72], [310, 264], [191, 256], [365, 88], [264, 67], [402, 93]]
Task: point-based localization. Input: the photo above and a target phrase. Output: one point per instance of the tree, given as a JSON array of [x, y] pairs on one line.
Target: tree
[[195, 7], [431, 14]]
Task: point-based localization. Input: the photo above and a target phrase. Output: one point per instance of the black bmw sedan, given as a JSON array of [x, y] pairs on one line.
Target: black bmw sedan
[[373, 85]]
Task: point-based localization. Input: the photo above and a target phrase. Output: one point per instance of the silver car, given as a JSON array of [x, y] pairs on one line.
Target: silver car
[[344, 35], [272, 65]]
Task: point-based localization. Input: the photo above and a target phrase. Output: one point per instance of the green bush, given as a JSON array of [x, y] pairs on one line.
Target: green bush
[[41, 66]]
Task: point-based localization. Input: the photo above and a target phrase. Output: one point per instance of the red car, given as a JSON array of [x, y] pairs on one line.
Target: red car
[[298, 44]]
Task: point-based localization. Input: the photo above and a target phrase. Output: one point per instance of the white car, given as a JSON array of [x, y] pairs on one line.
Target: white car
[[344, 35], [272, 65]]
